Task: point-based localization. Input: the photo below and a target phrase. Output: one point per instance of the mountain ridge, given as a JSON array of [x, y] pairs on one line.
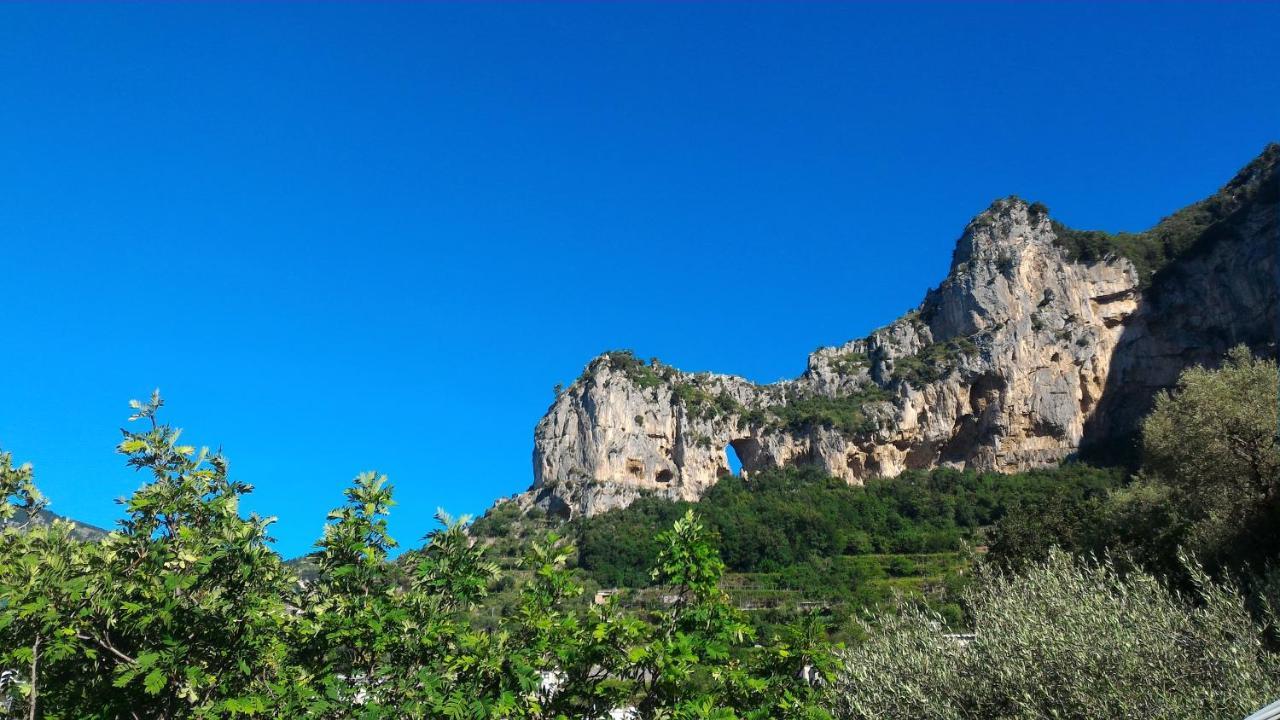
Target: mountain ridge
[[1040, 341], [44, 518]]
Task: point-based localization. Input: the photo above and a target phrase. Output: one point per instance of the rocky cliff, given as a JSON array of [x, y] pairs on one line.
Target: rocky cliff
[[1040, 340]]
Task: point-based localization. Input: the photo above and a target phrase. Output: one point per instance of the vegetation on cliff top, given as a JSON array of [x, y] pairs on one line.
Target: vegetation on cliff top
[[1152, 250], [803, 413], [644, 375], [933, 361]]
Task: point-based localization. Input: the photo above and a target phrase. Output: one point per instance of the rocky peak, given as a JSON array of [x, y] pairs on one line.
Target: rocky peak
[[1007, 265], [999, 234], [1004, 366]]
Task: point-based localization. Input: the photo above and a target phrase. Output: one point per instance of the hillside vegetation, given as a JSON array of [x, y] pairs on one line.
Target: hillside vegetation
[[1199, 224], [795, 539], [1101, 597]]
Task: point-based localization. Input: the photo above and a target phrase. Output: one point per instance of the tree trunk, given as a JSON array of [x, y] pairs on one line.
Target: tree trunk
[[35, 667]]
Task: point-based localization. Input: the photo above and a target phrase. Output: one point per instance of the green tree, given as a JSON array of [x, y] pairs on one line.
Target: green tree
[[699, 661], [179, 613], [351, 619], [40, 577], [1069, 638], [1213, 441]]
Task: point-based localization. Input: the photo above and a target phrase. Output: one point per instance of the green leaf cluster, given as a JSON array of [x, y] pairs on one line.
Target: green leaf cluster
[[184, 611], [1066, 638]]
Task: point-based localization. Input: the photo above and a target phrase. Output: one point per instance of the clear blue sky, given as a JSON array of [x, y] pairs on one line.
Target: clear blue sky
[[345, 237]]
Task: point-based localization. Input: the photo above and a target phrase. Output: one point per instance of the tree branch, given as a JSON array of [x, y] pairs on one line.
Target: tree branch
[[106, 646]]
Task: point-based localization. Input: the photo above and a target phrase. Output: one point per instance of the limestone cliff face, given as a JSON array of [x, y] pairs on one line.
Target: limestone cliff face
[[1222, 292], [1016, 359]]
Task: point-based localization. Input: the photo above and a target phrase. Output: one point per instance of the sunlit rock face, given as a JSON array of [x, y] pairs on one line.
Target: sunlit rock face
[[1021, 355]]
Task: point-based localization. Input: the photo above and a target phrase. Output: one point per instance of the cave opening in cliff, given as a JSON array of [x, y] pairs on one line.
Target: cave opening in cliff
[[735, 463]]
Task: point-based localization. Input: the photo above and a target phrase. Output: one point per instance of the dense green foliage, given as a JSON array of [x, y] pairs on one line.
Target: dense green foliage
[[796, 540], [179, 610], [1142, 249], [184, 611], [784, 517], [1067, 639], [1214, 444], [1210, 483], [701, 402]]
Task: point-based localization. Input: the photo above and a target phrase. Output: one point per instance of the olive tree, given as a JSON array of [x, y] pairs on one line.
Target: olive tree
[[1070, 638], [1213, 441]]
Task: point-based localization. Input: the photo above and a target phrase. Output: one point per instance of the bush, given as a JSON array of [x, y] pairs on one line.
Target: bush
[[1070, 639], [1213, 443], [933, 361], [626, 362], [902, 567], [845, 413], [850, 362], [699, 402]]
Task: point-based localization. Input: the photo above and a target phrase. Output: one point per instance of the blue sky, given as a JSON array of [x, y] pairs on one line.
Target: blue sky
[[343, 237]]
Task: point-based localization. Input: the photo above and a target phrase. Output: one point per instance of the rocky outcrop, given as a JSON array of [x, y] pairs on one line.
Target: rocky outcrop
[[1220, 293], [1027, 350]]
